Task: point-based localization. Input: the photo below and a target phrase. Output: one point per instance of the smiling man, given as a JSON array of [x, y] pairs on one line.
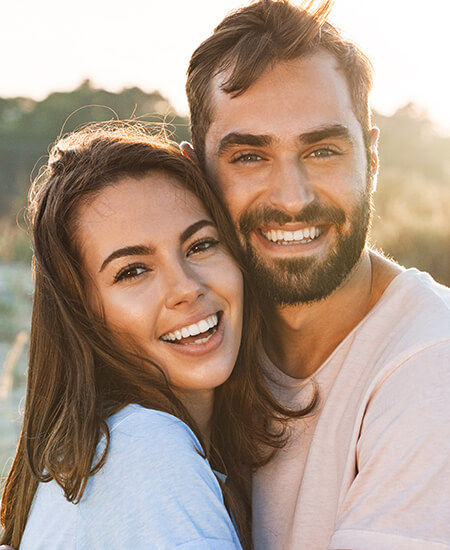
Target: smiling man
[[281, 124]]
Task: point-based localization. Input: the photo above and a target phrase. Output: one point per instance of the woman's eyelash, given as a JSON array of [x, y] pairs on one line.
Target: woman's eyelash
[[131, 271], [202, 244]]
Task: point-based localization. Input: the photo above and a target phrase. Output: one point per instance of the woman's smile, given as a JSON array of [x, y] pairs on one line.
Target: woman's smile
[[195, 333], [202, 343]]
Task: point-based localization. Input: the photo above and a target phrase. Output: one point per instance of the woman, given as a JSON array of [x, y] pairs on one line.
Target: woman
[[137, 317]]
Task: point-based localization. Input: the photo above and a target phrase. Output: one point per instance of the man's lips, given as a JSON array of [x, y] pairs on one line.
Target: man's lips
[[292, 234], [265, 220]]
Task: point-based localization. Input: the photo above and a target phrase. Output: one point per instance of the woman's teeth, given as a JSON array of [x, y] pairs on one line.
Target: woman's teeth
[[203, 326], [300, 236]]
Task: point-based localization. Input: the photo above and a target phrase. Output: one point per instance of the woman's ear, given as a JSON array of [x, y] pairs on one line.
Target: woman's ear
[[188, 151]]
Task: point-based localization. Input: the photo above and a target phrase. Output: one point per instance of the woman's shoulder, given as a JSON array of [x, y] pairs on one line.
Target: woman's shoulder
[[156, 488], [157, 477], [158, 458], [151, 448], [151, 430]]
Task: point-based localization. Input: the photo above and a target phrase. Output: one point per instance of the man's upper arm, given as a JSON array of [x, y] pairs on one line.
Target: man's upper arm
[[400, 498]]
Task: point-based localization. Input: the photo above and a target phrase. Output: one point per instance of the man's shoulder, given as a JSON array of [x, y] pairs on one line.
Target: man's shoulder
[[387, 273], [411, 319], [413, 306], [425, 287]]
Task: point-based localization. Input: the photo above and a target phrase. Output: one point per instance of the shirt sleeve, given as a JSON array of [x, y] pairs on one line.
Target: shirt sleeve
[[400, 498], [156, 491]]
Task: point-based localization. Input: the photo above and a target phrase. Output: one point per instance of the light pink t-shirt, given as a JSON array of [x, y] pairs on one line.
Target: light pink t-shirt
[[370, 470]]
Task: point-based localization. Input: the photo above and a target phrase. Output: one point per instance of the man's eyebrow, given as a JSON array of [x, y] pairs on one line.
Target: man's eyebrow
[[261, 140], [189, 231], [137, 250], [236, 138], [333, 131]]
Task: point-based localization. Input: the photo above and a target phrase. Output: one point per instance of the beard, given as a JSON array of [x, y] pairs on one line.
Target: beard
[[293, 281]]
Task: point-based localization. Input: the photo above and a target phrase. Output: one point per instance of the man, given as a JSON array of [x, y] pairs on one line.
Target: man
[[280, 122]]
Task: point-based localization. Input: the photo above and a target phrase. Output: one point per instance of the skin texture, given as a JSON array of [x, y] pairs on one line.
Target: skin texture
[[288, 143], [171, 281]]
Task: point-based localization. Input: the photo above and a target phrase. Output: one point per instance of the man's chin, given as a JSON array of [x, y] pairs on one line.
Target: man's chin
[[293, 281], [305, 279]]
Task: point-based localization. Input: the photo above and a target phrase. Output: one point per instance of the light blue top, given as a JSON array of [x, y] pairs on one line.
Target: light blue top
[[155, 491]]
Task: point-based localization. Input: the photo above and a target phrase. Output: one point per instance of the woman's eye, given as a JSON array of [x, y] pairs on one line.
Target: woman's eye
[[202, 246], [130, 272], [247, 157]]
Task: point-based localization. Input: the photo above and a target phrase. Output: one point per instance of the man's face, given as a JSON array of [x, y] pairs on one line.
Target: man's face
[[289, 157]]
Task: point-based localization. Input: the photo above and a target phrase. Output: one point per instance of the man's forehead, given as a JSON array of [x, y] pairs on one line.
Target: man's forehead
[[321, 59], [308, 92]]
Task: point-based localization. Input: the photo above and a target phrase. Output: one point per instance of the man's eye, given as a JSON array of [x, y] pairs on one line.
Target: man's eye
[[202, 246], [246, 157], [323, 152], [130, 272]]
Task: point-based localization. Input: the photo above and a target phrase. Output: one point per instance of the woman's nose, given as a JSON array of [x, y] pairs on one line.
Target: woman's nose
[[183, 285]]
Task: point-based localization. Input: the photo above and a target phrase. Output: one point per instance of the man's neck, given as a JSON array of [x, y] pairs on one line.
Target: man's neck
[[303, 336]]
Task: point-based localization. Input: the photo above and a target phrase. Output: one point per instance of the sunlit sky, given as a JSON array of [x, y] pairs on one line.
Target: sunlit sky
[[49, 45]]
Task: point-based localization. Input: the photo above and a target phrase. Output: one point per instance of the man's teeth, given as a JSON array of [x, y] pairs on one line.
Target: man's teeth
[[293, 237], [193, 330]]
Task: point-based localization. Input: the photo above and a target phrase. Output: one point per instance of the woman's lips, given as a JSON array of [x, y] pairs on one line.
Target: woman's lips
[[201, 326], [202, 343]]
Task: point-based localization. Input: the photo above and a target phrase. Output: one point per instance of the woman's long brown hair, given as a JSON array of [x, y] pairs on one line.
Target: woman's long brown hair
[[78, 377]]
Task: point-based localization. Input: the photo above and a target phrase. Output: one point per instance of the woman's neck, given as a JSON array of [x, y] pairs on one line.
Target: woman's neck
[[199, 405]]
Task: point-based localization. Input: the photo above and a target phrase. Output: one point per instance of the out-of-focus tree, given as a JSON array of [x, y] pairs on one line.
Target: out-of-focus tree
[[27, 128]]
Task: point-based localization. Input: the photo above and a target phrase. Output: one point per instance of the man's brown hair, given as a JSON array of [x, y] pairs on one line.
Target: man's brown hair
[[253, 38]]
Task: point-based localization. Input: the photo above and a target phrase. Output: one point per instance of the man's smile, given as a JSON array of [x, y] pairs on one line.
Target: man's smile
[[286, 238]]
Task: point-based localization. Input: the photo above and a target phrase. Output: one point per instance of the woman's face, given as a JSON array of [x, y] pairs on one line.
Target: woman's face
[[163, 278]]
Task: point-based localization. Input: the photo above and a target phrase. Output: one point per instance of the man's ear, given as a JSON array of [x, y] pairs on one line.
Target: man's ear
[[374, 160], [188, 151]]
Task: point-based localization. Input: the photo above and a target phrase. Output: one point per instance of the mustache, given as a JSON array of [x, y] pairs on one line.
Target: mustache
[[312, 213]]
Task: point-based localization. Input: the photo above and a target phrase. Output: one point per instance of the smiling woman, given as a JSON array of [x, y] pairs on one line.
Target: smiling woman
[[138, 384], [166, 284]]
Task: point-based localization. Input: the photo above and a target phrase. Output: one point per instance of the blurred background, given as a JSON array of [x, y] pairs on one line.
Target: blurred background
[[131, 60]]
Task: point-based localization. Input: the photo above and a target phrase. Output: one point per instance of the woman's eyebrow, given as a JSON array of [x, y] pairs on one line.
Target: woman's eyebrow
[[141, 250], [189, 231], [136, 250]]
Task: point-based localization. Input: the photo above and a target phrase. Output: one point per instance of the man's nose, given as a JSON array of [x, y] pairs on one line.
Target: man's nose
[[183, 285], [290, 189]]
